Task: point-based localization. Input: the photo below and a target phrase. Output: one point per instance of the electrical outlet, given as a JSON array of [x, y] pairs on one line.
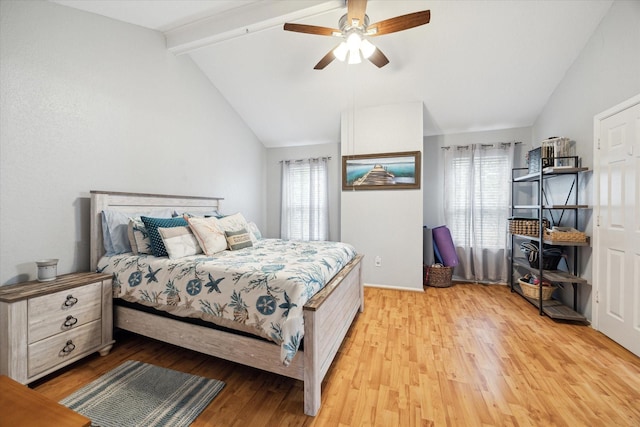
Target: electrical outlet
[[378, 261]]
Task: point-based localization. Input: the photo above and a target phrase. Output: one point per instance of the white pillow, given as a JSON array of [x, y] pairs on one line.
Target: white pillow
[[235, 222], [179, 242], [208, 233], [253, 228]]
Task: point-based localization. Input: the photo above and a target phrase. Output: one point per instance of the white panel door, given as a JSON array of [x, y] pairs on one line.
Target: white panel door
[[617, 243]]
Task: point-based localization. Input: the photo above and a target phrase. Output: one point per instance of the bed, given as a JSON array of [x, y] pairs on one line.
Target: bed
[[325, 316]]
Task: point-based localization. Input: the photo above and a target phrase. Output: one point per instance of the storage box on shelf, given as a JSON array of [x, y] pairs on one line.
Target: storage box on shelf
[[568, 239], [564, 234], [526, 226]]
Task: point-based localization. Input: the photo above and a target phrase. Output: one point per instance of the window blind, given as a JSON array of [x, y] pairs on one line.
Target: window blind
[[305, 206]]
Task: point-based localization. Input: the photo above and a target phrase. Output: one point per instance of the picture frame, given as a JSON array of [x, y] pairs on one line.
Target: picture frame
[[383, 171]]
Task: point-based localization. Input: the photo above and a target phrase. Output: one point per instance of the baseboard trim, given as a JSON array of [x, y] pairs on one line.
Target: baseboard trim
[[395, 288]]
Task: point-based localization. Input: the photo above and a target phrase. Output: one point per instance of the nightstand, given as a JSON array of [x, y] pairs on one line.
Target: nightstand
[[48, 325]]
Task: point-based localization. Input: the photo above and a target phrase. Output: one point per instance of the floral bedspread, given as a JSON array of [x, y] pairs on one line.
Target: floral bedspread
[[260, 290]]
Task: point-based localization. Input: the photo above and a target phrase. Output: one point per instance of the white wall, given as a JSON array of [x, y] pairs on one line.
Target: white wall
[[385, 223], [90, 103], [606, 72], [274, 190]]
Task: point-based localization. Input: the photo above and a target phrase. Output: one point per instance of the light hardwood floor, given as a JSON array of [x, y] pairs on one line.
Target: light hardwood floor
[[469, 355]]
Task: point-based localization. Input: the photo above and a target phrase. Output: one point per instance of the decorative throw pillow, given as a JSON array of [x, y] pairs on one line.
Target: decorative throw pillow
[[179, 242], [139, 237], [152, 225], [235, 222], [210, 236], [238, 239], [132, 238]]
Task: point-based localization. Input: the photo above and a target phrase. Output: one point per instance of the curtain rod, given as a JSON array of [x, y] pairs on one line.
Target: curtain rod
[[306, 160], [482, 145]]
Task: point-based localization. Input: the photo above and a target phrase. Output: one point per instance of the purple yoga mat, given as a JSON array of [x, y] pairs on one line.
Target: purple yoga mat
[[444, 246]]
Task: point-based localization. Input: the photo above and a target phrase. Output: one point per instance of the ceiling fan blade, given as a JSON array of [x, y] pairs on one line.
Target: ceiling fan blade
[[356, 10], [326, 60], [378, 58], [400, 23], [311, 29]]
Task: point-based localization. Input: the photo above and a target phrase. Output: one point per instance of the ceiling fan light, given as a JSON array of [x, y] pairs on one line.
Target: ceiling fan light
[[367, 48], [341, 52], [354, 57], [353, 41]]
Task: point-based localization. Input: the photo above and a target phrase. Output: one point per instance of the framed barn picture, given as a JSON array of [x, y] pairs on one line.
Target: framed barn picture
[[386, 171]]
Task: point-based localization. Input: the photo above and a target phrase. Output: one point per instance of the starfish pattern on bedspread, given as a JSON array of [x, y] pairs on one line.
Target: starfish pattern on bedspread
[[265, 286]]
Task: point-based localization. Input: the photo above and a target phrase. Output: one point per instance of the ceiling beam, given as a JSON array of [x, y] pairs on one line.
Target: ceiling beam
[[253, 17]]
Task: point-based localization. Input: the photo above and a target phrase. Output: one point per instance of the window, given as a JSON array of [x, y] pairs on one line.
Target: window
[[477, 200], [481, 200], [305, 207]]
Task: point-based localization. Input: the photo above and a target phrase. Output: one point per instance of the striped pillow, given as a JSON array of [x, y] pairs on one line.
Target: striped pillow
[[238, 239]]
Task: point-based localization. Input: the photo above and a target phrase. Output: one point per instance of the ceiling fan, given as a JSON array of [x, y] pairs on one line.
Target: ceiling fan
[[355, 30]]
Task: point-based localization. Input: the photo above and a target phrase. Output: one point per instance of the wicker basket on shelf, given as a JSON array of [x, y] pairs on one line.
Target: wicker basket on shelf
[[526, 226], [439, 276], [531, 291], [564, 234]]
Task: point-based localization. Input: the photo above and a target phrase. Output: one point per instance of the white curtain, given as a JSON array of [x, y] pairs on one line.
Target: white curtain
[[305, 200], [477, 206]]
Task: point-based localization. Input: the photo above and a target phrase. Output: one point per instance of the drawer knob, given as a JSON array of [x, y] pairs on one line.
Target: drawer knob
[[70, 301], [68, 348], [70, 321]]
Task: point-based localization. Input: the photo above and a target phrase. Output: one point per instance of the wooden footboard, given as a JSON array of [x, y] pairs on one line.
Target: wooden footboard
[[327, 316]]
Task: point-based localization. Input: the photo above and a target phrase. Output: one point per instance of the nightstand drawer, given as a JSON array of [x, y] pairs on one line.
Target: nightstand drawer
[[63, 311], [59, 348]]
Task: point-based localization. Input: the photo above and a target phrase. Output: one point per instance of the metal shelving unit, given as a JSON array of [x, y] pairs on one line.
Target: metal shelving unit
[[552, 308]]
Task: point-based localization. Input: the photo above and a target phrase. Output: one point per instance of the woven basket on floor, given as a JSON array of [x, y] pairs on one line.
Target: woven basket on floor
[[439, 276], [531, 291]]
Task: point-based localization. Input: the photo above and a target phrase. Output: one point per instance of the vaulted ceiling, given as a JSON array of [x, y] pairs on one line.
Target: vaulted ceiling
[[478, 65]]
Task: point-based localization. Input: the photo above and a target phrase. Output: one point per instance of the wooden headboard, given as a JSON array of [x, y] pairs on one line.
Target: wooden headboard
[[137, 202]]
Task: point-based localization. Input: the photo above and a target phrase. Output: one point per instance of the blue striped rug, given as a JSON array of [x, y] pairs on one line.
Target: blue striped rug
[[139, 394]]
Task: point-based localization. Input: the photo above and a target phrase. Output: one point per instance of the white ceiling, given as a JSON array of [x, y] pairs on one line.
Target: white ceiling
[[478, 65]]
